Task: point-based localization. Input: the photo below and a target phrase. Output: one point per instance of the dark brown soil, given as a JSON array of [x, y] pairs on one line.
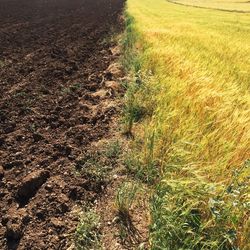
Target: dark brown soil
[[54, 56]]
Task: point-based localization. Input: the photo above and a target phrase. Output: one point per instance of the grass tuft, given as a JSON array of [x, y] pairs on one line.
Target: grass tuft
[[87, 234], [125, 197]]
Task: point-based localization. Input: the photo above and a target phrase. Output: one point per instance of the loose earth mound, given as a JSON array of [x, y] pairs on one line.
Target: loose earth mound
[[54, 57]]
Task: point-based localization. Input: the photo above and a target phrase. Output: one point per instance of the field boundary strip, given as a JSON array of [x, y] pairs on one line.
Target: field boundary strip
[[208, 8]]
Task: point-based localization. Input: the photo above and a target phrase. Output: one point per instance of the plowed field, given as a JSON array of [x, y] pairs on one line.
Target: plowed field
[[54, 56]]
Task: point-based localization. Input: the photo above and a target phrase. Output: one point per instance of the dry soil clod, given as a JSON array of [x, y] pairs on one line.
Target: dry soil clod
[[30, 185]]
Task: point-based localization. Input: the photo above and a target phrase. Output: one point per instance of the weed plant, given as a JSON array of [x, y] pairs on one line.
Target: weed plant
[[125, 197], [87, 234]]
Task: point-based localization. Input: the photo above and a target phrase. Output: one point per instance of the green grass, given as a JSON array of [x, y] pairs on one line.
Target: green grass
[[193, 68], [87, 235], [113, 149], [96, 165]]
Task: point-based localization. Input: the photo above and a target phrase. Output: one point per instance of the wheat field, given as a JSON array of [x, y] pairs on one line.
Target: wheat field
[[195, 66]]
